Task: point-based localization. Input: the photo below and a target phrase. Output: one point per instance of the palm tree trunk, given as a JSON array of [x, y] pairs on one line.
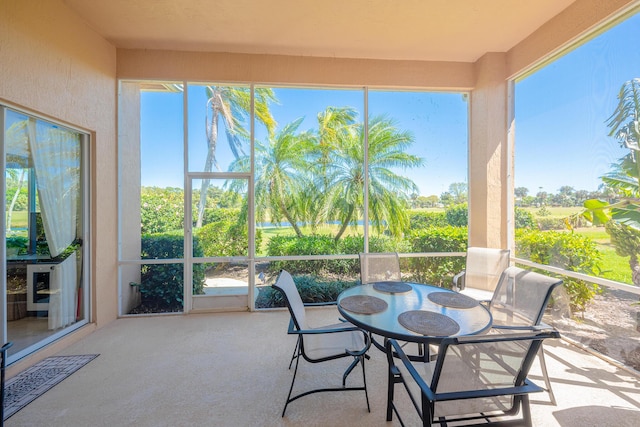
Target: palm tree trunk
[[289, 218], [212, 139], [345, 223], [14, 200], [635, 269]]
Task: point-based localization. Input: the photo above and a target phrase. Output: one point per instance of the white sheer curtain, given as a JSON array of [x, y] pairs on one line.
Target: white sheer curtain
[[56, 158]]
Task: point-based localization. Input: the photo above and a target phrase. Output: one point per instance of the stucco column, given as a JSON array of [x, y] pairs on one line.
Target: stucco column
[[489, 168], [129, 187]]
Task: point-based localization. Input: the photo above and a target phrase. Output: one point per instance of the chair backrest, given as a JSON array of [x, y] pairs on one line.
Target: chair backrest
[[483, 364], [287, 286], [521, 297], [484, 266], [379, 267]]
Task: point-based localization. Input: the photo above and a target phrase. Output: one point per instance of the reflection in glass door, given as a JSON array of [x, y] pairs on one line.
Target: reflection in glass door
[[44, 231]]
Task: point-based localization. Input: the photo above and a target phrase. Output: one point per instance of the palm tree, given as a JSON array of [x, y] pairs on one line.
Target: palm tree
[[17, 150], [333, 126], [231, 106], [332, 123], [281, 175], [388, 191]]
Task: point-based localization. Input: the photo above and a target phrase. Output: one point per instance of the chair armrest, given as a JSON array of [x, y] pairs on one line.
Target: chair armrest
[[293, 330], [535, 328], [458, 280], [395, 350]]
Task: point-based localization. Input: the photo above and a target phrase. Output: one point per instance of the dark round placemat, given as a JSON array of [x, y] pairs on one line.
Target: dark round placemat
[[392, 287], [452, 300], [428, 323], [363, 304]]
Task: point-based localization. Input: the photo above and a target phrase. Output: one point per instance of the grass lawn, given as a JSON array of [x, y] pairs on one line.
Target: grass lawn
[[614, 267], [555, 212], [19, 219]]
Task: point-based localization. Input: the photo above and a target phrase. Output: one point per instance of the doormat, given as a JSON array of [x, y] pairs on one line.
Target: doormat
[[31, 383]]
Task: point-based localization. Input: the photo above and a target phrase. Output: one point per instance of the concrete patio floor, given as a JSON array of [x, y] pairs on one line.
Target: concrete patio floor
[[230, 369]]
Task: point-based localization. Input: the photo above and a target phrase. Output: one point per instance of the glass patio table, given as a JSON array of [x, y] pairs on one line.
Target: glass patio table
[[412, 312]]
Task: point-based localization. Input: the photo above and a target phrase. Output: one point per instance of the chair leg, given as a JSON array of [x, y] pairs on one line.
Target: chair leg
[[293, 380], [526, 410], [391, 384], [349, 369], [545, 375], [295, 352], [364, 379]]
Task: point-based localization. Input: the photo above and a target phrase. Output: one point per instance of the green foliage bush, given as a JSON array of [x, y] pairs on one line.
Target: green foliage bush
[[225, 233], [312, 290], [161, 285], [458, 215], [18, 243], [551, 224], [161, 209], [319, 244], [523, 218], [569, 251], [421, 219], [438, 271], [21, 244]]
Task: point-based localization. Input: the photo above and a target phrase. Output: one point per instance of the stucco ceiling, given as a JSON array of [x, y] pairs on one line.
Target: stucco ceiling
[[434, 30]]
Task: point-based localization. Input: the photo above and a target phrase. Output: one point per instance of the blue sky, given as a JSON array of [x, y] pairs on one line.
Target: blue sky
[[561, 113]]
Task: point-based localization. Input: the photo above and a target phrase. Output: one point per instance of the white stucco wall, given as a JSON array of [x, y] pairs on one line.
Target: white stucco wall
[[52, 64]]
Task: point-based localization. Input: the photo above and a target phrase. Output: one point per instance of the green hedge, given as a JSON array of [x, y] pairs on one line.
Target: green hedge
[[565, 250], [421, 219], [323, 245], [312, 290], [524, 219], [438, 270], [161, 285], [458, 215]]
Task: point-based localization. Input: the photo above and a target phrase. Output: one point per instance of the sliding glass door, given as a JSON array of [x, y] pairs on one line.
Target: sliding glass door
[[45, 204]]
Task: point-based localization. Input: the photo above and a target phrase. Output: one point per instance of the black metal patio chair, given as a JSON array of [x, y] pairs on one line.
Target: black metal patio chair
[[379, 267], [482, 271], [518, 304], [321, 344], [478, 379]]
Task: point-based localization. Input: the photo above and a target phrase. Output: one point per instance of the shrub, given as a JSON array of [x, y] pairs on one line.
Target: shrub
[[161, 285], [318, 244], [421, 219], [551, 224], [438, 271], [161, 209], [458, 215], [225, 233], [18, 243], [312, 290], [565, 250], [523, 218]]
